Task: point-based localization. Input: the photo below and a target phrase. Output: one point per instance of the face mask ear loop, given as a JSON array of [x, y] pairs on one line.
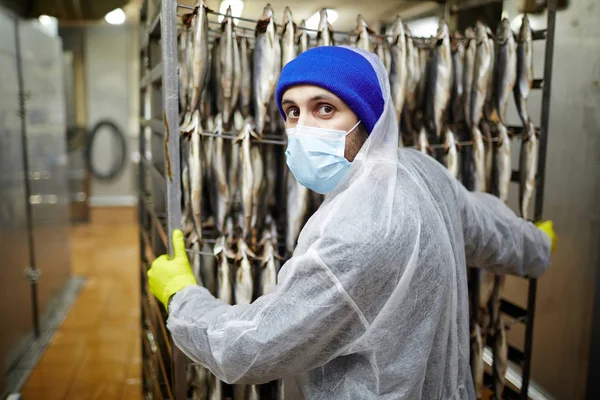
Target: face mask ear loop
[[353, 128]]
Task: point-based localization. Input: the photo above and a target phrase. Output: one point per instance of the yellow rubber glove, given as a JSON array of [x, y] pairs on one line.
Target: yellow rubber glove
[[547, 227], [168, 276]]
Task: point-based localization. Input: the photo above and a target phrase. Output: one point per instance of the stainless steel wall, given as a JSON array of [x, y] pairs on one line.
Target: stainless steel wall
[[15, 297], [42, 64], [565, 293]]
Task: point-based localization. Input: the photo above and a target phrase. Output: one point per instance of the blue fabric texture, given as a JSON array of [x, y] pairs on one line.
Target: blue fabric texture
[[344, 72]]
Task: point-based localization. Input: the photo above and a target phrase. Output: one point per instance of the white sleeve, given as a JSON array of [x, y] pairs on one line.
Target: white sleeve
[[306, 322], [499, 241]]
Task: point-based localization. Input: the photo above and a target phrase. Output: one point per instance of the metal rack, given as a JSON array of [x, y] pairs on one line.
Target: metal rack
[[159, 211], [520, 388], [164, 365]]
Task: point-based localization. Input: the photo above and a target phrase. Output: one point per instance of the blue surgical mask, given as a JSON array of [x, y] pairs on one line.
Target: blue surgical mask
[[316, 156]]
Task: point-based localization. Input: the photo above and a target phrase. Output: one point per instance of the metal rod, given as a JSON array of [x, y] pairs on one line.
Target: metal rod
[[24, 150], [173, 181], [540, 181], [157, 126], [200, 252], [179, 5], [254, 21], [234, 135]]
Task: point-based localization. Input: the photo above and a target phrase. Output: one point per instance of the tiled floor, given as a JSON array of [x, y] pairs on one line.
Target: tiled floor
[[96, 352]]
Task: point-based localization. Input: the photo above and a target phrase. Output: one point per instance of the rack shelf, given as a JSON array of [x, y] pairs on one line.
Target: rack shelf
[[165, 366]]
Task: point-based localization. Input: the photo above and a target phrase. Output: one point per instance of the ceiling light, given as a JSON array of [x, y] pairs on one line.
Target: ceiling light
[[424, 27], [115, 17], [49, 24], [236, 9], [313, 21], [536, 21]]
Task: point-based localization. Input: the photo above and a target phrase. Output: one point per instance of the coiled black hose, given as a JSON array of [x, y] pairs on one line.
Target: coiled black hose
[[121, 150]]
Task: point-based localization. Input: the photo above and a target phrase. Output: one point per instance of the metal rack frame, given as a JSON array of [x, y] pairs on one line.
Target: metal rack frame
[[159, 209], [526, 315]]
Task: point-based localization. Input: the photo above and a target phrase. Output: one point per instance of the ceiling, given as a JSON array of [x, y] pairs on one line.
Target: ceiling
[[78, 11], [385, 11]]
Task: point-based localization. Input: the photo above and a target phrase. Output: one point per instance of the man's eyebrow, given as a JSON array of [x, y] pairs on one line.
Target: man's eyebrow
[[321, 97], [287, 101]]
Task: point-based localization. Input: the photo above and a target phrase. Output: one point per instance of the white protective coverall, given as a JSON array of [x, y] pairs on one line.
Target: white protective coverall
[[374, 301]]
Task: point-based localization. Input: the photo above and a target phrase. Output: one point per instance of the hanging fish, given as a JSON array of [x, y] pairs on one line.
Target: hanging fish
[[207, 150], [206, 101], [224, 277], [215, 82], [230, 78], [271, 168], [303, 39], [200, 65], [325, 31], [186, 212], [469, 72], [221, 196], [398, 67], [528, 163], [423, 142], [268, 279], [412, 82], [195, 176], [288, 38], [183, 71], [481, 71], [383, 52], [316, 200], [244, 281], [423, 69], [490, 111], [267, 66], [524, 69], [458, 89], [298, 199], [505, 68], [246, 77], [253, 393], [273, 115], [477, 359], [246, 175], [233, 172], [488, 146], [216, 388], [486, 291], [196, 262], [258, 186], [197, 380], [494, 304], [501, 358], [451, 152], [503, 165], [362, 32], [439, 81], [479, 160]]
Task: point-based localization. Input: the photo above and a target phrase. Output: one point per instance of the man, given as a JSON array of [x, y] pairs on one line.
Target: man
[[373, 303]]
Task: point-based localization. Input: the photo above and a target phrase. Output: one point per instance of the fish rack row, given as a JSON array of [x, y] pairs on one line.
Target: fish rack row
[[515, 364], [165, 368]]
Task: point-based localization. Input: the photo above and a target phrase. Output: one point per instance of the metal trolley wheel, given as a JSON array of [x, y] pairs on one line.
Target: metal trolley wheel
[[119, 163]]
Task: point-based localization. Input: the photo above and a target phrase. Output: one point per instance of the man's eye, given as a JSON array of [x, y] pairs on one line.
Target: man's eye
[[325, 110], [293, 113]]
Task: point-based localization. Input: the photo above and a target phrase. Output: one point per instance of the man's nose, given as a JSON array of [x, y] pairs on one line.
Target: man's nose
[[306, 119]]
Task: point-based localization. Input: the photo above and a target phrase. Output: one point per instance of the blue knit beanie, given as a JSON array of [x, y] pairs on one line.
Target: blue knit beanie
[[343, 72]]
